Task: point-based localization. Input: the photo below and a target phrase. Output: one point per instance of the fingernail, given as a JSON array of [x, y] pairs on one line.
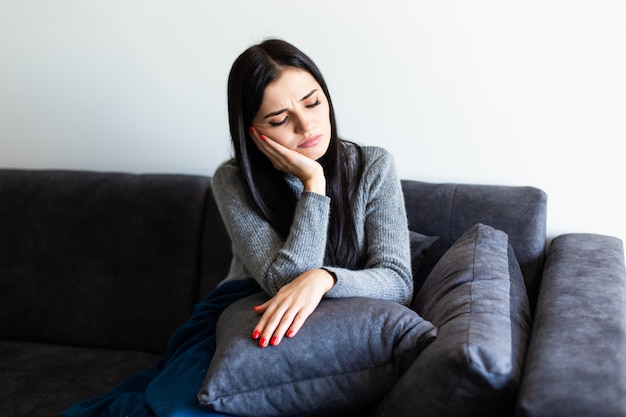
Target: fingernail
[[251, 128], [263, 342], [290, 333], [274, 341], [263, 137], [256, 334]]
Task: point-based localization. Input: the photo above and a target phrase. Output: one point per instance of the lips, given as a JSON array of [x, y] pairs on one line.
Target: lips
[[310, 141]]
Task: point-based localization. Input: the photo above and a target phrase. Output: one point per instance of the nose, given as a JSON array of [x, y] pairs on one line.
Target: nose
[[304, 122]]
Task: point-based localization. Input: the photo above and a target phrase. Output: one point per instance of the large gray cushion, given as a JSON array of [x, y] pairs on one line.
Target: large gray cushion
[[476, 297], [347, 355]]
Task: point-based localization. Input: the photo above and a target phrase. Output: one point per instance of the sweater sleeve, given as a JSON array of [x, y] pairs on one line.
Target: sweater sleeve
[[271, 260], [387, 272]]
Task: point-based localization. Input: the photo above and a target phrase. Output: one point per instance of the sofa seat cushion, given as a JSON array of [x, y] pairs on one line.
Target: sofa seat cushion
[[43, 379]]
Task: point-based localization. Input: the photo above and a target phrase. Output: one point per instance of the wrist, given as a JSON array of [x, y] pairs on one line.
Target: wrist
[[315, 184], [314, 179], [332, 279]]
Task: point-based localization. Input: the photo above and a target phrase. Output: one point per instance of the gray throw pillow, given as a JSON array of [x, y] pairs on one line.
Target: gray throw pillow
[[476, 297], [347, 355]]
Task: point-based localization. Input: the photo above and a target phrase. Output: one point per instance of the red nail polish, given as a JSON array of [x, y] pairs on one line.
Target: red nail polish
[[256, 334], [263, 137], [251, 128], [263, 342], [290, 333], [274, 341]]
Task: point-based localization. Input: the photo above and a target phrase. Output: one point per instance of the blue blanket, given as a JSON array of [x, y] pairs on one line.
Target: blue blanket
[[169, 389]]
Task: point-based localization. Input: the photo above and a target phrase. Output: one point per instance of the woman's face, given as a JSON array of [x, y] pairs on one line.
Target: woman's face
[[295, 113]]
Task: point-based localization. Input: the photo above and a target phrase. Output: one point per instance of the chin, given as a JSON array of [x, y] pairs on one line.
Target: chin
[[316, 156], [320, 152]]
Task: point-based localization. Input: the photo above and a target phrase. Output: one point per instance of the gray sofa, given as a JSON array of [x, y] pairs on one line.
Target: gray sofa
[[98, 269]]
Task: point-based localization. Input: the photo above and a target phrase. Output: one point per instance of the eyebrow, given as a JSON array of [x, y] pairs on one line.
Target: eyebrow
[[277, 112]]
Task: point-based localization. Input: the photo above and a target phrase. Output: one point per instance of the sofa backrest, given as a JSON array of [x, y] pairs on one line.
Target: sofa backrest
[[448, 210], [98, 259], [119, 260], [216, 248]]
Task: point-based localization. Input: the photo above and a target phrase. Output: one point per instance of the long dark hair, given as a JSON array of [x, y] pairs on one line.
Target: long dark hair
[[250, 74]]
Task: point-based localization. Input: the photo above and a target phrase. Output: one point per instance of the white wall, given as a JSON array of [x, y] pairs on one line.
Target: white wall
[[493, 92]]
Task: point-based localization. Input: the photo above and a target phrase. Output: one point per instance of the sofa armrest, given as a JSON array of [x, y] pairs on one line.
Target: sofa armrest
[[576, 361]]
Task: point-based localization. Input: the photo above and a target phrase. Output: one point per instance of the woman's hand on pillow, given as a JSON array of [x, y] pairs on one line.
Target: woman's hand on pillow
[[286, 312]]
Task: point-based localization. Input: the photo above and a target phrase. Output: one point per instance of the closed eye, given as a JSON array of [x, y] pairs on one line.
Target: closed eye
[[282, 122], [317, 103]]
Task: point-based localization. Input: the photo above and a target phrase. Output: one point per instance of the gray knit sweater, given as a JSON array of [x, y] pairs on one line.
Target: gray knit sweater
[[259, 252]]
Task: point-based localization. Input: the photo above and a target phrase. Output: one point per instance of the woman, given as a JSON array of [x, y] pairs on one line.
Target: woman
[[309, 216]]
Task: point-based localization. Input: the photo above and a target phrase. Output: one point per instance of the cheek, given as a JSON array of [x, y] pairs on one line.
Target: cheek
[[327, 127], [327, 117], [276, 134], [281, 137]]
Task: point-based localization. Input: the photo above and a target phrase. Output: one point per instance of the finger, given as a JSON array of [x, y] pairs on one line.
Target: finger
[[256, 138], [268, 323], [270, 148], [274, 150], [261, 308], [297, 323], [281, 157], [262, 141], [260, 326], [283, 327], [258, 329]]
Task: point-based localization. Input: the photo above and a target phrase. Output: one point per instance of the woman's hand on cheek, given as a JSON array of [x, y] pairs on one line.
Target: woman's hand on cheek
[[310, 172], [286, 312]]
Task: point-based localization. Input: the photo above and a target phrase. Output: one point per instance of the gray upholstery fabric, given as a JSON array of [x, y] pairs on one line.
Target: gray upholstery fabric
[[576, 364], [475, 295], [98, 259], [216, 253], [42, 380], [448, 210], [347, 355], [420, 244], [117, 261]]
